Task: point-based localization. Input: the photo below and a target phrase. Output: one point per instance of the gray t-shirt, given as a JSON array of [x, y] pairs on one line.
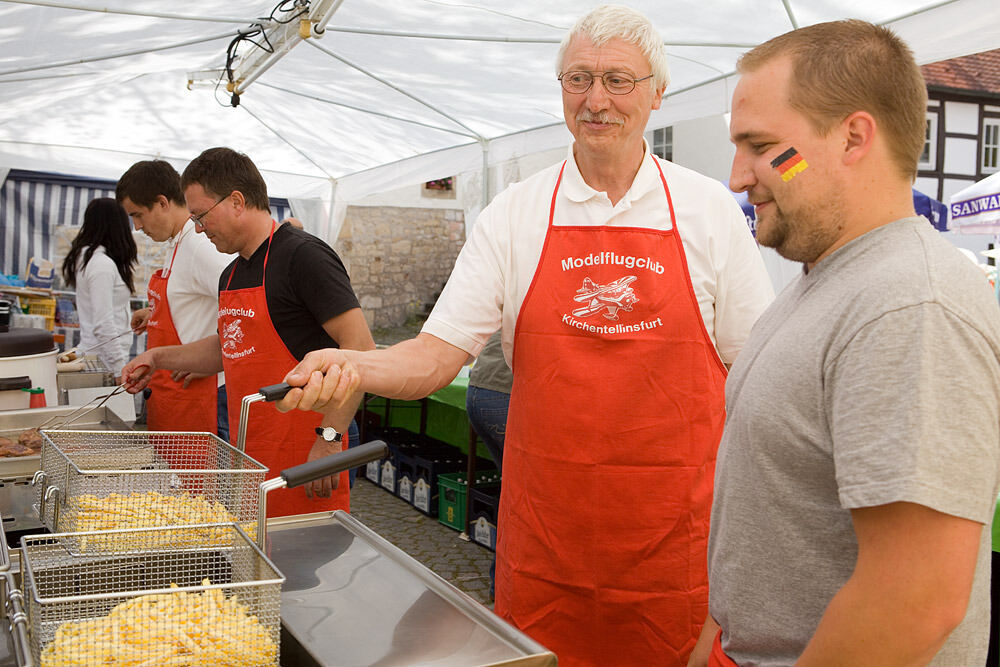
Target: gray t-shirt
[[874, 378], [491, 370]]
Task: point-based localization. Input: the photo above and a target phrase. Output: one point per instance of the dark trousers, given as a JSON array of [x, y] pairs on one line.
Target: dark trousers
[[993, 659], [353, 440], [222, 416], [488, 415]]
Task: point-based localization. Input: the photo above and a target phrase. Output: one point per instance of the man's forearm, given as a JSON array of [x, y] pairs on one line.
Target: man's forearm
[[409, 370], [861, 627], [340, 418], [909, 589], [201, 356]]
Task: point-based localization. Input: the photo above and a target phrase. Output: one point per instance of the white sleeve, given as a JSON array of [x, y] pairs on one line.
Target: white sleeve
[[99, 278], [209, 264], [744, 288]]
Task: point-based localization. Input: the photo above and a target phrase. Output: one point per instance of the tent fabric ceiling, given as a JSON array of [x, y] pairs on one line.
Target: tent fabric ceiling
[[395, 92]]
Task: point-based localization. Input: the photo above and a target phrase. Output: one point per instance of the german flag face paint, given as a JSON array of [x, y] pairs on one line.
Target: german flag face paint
[[789, 164]]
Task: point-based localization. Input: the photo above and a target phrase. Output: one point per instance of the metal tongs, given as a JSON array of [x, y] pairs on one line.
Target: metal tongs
[[84, 409], [81, 411], [80, 353]]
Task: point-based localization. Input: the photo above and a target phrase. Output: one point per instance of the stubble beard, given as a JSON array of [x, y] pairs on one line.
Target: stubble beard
[[802, 235]]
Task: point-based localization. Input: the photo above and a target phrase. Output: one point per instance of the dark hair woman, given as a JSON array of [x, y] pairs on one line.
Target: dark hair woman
[[100, 265]]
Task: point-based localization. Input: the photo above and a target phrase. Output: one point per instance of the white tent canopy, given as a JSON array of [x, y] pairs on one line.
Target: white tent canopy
[[395, 92]]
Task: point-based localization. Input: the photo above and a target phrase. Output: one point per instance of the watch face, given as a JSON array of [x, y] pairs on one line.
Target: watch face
[[329, 433]]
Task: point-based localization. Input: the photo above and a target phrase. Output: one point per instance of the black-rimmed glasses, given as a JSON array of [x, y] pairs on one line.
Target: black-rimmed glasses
[[201, 216], [616, 83]]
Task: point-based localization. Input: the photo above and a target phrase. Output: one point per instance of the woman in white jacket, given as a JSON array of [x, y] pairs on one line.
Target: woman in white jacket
[[100, 265]]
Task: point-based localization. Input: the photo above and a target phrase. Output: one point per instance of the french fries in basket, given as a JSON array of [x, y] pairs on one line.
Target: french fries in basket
[[169, 629], [148, 509]]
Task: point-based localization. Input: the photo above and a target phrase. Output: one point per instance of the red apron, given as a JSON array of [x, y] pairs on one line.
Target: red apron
[[718, 657], [254, 356], [171, 406], [616, 413]]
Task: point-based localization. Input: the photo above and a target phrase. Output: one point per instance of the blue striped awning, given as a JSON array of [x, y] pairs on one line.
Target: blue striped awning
[[33, 204]]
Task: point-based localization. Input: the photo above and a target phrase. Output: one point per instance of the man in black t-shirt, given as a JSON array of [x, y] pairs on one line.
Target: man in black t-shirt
[[304, 274], [287, 293]]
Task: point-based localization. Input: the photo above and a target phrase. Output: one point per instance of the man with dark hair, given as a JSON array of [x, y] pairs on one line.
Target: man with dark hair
[[285, 294], [860, 463], [183, 299]]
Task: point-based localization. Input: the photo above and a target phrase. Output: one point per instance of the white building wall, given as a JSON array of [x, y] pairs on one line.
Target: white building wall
[[961, 117]]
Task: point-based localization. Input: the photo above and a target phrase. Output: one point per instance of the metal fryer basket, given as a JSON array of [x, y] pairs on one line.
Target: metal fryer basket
[[105, 480], [158, 594]]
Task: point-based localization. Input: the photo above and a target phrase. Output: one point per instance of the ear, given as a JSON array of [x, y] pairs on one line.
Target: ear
[[658, 97], [239, 201], [859, 131], [161, 200]]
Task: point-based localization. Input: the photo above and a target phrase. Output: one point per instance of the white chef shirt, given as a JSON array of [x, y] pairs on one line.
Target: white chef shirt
[[193, 285], [498, 262], [102, 304]]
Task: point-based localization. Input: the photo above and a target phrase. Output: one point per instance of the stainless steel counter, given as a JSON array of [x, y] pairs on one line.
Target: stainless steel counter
[[16, 495], [352, 598]]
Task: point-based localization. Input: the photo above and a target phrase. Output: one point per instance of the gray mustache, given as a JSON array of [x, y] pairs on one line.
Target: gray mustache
[[587, 117]]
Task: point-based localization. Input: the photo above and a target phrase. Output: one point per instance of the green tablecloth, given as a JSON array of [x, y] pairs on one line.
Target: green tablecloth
[[996, 528], [446, 417]]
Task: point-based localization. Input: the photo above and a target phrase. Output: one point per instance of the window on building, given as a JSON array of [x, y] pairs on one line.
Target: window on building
[[991, 145], [928, 158], [663, 143], [442, 188], [441, 184]]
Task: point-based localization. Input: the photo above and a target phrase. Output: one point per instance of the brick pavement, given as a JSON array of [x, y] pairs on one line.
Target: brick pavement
[[465, 564]]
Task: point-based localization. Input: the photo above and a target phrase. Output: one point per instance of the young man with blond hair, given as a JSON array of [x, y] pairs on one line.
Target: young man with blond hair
[[860, 464]]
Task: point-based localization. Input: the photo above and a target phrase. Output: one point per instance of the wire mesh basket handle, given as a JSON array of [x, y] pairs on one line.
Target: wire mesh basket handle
[[313, 470], [14, 604], [272, 392]]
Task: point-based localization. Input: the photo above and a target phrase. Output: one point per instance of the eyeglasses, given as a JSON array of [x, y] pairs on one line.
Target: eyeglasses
[[616, 83], [198, 218]]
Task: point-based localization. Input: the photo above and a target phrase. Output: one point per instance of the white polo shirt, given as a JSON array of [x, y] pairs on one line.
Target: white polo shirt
[[497, 264], [193, 285]]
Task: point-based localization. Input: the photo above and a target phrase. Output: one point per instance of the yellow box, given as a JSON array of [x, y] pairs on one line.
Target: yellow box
[[41, 305]]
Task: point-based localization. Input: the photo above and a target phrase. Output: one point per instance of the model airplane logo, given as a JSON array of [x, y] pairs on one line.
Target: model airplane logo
[[232, 334], [611, 298]]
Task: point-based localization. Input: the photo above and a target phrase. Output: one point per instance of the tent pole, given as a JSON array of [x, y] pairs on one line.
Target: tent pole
[[485, 143]]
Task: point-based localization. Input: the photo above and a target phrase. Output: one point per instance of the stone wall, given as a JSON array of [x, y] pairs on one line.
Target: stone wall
[[399, 258]]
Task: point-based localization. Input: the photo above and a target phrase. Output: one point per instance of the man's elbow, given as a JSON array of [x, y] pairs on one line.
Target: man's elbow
[[941, 612]]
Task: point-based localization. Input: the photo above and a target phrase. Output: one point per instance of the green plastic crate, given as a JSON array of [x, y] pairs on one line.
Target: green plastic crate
[[453, 488]]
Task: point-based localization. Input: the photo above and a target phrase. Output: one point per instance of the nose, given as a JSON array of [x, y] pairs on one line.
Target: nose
[[741, 176], [137, 225], [598, 96]]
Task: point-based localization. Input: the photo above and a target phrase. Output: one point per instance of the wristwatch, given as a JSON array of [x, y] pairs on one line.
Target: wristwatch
[[329, 433]]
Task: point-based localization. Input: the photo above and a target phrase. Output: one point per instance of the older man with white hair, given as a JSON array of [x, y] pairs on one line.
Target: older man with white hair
[[623, 286]]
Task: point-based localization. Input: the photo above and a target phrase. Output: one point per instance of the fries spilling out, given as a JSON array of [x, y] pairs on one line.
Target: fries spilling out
[[170, 629]]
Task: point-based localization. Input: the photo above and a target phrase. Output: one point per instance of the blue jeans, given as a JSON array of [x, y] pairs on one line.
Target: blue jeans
[[353, 440], [488, 415], [487, 411], [222, 416]]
